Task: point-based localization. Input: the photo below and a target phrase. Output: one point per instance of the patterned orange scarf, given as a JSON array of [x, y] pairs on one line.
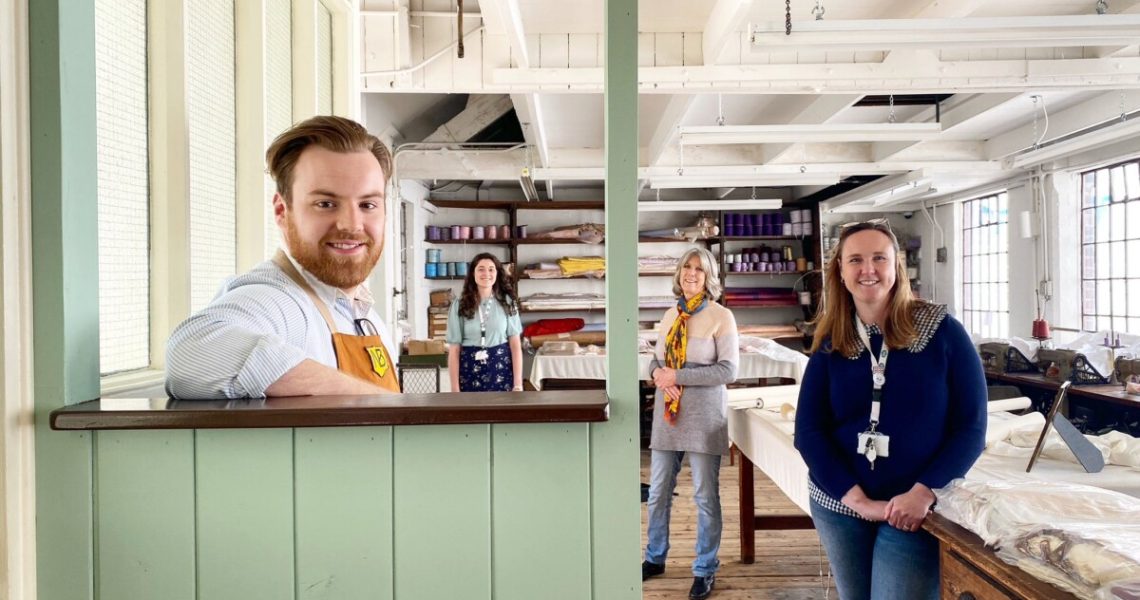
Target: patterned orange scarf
[[676, 343]]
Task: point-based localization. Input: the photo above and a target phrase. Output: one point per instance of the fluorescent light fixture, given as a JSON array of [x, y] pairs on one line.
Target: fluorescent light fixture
[[1096, 138], [814, 132], [699, 205], [741, 180], [1057, 31], [527, 183], [879, 187], [905, 194]]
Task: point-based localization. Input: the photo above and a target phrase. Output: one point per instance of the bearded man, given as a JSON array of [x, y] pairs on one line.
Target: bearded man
[[301, 323]]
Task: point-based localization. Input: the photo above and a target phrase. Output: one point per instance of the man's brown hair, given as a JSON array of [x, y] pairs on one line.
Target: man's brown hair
[[337, 134]]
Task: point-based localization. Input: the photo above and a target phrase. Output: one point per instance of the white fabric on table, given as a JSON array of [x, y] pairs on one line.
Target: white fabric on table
[[752, 366]]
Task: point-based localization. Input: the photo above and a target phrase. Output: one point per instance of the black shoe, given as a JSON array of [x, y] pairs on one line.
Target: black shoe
[[702, 587], [649, 569]]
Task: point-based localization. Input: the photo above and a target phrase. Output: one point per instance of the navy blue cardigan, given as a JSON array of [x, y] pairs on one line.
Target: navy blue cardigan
[[933, 409]]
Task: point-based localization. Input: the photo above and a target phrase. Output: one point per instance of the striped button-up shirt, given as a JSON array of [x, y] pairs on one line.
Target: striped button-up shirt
[[258, 327]]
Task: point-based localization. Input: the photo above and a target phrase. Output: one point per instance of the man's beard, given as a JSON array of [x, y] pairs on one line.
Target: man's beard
[[343, 272]]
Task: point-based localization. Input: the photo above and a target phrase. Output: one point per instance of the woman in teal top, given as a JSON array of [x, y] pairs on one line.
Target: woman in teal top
[[484, 349]]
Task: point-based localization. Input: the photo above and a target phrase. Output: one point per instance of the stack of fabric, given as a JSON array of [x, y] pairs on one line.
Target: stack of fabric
[[769, 331], [577, 266], [589, 233], [549, 330], [760, 297], [569, 301], [542, 270], [656, 265]]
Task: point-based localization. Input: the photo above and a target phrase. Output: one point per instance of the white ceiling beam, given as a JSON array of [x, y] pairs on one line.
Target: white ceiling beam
[[502, 17], [528, 107], [820, 110], [1101, 108], [944, 9], [813, 132], [954, 116], [991, 32], [667, 126], [481, 165], [727, 19], [481, 111], [1119, 8], [928, 75]]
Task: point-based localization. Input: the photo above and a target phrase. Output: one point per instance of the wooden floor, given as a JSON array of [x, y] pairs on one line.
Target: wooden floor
[[787, 563]]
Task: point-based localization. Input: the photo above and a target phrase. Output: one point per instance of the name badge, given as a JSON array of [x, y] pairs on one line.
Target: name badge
[[379, 359]]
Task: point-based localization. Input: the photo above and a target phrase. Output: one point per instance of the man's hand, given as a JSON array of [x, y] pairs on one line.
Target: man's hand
[[311, 378], [907, 511]]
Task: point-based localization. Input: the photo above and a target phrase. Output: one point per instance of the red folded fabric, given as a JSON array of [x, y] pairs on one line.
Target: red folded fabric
[[552, 326]]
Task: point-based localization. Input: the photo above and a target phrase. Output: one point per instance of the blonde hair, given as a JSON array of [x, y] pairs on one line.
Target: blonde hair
[[337, 134], [836, 320], [708, 265]]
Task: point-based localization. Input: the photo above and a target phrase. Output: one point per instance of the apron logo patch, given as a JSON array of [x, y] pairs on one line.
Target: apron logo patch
[[379, 360]]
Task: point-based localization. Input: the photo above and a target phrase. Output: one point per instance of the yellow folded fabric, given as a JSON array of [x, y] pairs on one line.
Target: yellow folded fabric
[[578, 265]]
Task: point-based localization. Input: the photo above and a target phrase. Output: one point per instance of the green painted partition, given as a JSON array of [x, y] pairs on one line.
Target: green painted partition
[[424, 512]]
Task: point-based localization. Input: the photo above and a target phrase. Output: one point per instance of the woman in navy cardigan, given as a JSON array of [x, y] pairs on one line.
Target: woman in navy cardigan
[[881, 427]]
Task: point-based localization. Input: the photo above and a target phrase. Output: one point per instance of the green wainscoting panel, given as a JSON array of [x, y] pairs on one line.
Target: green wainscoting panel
[[344, 513], [540, 514], [64, 533], [614, 447], [144, 498], [442, 512], [245, 514]]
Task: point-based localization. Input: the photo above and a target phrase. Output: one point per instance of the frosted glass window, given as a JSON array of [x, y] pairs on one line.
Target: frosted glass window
[[278, 96], [123, 185], [324, 61], [1110, 248], [210, 107], [985, 277]]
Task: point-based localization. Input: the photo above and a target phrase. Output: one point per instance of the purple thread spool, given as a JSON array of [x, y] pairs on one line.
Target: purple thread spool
[[456, 232], [477, 232], [520, 232], [505, 232], [444, 233], [432, 233], [790, 265]]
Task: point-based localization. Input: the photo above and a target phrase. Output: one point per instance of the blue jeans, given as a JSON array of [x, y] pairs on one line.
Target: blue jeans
[[663, 468], [876, 561]]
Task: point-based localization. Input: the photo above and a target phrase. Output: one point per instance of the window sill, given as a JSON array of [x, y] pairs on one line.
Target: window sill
[[336, 411], [130, 380]]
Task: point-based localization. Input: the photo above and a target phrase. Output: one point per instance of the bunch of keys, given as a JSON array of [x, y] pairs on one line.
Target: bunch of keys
[[872, 445]]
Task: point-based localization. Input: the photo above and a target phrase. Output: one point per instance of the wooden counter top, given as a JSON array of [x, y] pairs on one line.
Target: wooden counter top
[[336, 411]]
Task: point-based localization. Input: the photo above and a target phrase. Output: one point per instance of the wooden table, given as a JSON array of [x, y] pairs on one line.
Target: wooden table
[[1111, 393], [970, 570]]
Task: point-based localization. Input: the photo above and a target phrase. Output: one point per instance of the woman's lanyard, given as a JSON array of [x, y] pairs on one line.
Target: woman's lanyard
[[482, 355], [873, 444]]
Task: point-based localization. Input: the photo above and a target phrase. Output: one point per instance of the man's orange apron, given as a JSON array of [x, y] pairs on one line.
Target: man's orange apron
[[362, 356]]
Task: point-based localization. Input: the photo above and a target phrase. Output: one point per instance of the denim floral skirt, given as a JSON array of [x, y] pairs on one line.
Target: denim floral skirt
[[491, 375]]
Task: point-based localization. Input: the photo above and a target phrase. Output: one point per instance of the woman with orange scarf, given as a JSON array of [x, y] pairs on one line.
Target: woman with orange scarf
[[697, 355]]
